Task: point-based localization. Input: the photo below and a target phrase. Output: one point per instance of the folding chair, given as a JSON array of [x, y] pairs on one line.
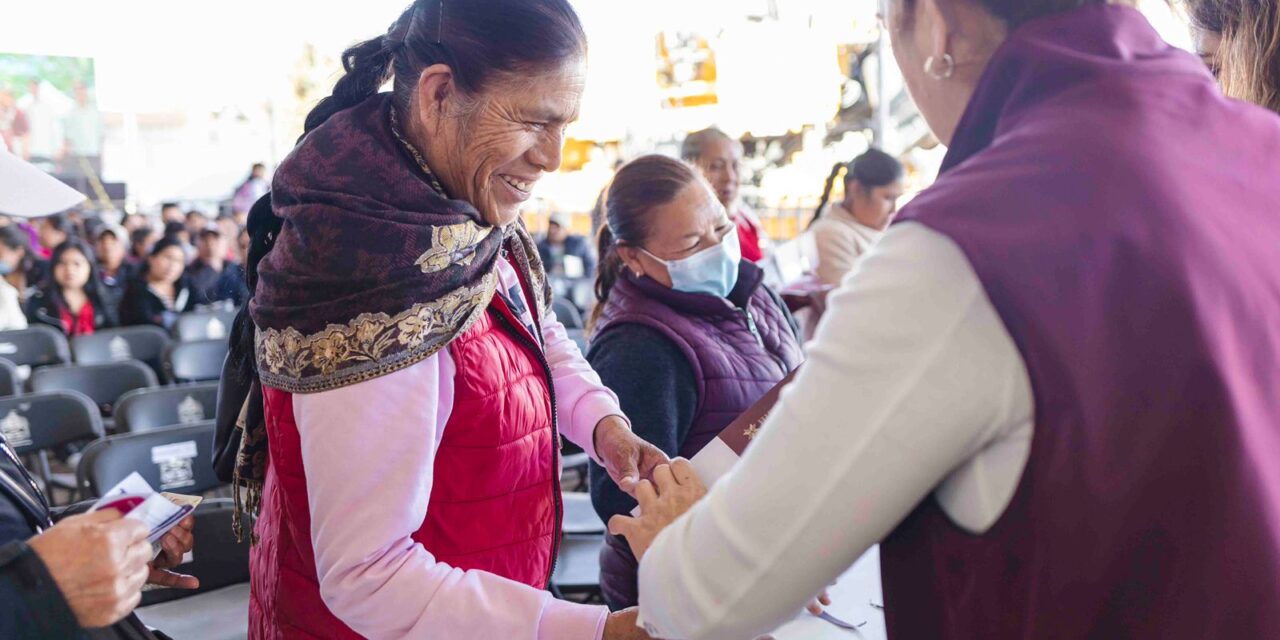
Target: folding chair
[[218, 609], [174, 460], [104, 383], [567, 314], [580, 338], [577, 570], [36, 423], [10, 379], [151, 409], [199, 361], [204, 325], [144, 343], [36, 346], [580, 517]]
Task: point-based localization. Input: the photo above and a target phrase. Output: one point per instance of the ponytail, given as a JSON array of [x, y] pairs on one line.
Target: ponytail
[[368, 67], [826, 190], [607, 272]]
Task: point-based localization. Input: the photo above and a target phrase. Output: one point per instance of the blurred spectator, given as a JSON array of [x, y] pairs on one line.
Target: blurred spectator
[[44, 140], [15, 262], [71, 299], [253, 187], [196, 222], [242, 245], [162, 292], [719, 158], [113, 270], [230, 230], [54, 230], [89, 227], [214, 279], [178, 231], [140, 242], [170, 212], [135, 221], [563, 253], [83, 130], [844, 231], [13, 124], [1240, 41]]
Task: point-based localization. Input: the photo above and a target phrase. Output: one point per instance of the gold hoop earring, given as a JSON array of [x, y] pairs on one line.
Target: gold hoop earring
[[948, 62]]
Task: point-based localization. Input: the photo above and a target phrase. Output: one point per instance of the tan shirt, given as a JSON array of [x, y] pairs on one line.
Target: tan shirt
[[839, 240]]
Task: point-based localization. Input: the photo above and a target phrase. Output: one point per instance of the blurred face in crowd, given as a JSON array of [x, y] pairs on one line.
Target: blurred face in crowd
[[49, 236], [196, 222], [212, 249], [110, 251], [243, 241], [11, 258], [72, 271], [873, 206], [166, 266], [491, 149], [171, 213], [229, 229], [133, 222], [258, 171], [694, 221], [721, 165], [556, 234], [924, 29]]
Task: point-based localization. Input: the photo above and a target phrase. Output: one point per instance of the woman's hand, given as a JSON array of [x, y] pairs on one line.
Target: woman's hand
[[173, 546], [626, 456], [621, 625], [678, 488]]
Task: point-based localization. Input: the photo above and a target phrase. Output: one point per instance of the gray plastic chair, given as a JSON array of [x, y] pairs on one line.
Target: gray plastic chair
[[204, 325], [104, 383], [151, 409], [578, 567], [195, 361], [144, 343], [36, 423], [567, 314], [10, 379], [36, 346], [174, 460]]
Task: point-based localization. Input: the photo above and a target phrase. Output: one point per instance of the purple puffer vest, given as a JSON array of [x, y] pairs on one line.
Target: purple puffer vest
[[1124, 219], [736, 358]]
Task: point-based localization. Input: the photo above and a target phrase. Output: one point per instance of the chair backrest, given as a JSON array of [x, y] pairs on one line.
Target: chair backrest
[[567, 314], [196, 361], [217, 559], [151, 409], [10, 379], [204, 325], [145, 343], [35, 346], [104, 383], [175, 460], [42, 421]]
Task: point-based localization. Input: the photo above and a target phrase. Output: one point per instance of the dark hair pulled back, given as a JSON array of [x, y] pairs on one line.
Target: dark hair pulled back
[[1016, 12], [639, 187], [475, 38], [872, 169]]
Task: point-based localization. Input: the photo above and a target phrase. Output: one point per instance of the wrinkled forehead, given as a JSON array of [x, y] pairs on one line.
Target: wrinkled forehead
[[551, 94]]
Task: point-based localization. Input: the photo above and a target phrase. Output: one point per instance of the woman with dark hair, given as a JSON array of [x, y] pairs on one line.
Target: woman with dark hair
[[1050, 392], [70, 299], [844, 231], [161, 292], [1240, 41], [405, 472], [686, 333], [719, 158], [15, 261]]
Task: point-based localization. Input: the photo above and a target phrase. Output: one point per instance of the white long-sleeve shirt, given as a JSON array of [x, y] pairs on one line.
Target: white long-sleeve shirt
[[913, 387], [369, 495]]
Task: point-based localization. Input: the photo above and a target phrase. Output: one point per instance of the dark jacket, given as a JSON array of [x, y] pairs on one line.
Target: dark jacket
[[210, 286], [42, 308], [683, 366], [113, 288], [31, 606], [576, 246], [142, 306]]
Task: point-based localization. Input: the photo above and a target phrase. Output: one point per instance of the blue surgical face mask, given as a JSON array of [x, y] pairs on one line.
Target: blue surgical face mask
[[713, 271], [5, 268]]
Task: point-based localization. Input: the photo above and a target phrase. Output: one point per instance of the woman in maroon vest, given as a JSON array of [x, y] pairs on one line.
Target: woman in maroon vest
[[400, 444], [686, 332], [1051, 391]]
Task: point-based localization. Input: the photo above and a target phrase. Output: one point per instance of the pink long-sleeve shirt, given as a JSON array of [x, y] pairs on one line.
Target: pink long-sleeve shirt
[[368, 495]]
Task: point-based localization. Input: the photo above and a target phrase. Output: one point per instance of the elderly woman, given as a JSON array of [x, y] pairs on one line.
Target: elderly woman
[[719, 158], [413, 382], [1240, 41], [1057, 373]]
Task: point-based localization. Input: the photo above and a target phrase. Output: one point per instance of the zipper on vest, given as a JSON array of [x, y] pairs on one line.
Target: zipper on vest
[[755, 331], [555, 431]]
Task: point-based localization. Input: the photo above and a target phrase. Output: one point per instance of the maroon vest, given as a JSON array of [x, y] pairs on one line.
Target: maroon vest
[[1124, 219], [737, 352]]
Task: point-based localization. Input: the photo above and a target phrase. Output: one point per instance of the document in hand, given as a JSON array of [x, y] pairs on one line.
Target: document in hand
[[135, 499]]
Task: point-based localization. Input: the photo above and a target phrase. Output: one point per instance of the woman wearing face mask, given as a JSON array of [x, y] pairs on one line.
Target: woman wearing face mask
[[844, 231], [685, 333], [405, 467], [1050, 392], [72, 300], [719, 158], [161, 292], [15, 262]]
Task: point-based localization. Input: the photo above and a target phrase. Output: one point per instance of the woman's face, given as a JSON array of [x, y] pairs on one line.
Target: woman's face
[[166, 266], [110, 250], [11, 257], [694, 221], [721, 165], [921, 29], [1207, 45], [72, 270], [875, 206], [490, 150]]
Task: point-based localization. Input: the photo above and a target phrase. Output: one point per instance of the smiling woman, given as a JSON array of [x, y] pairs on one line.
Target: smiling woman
[[400, 445]]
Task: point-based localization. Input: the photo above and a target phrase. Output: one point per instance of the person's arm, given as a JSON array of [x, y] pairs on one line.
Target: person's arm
[[582, 401], [836, 254], [368, 452], [30, 604], [656, 388], [910, 374]]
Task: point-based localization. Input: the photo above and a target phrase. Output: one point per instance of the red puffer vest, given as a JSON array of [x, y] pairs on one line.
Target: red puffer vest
[[495, 501]]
